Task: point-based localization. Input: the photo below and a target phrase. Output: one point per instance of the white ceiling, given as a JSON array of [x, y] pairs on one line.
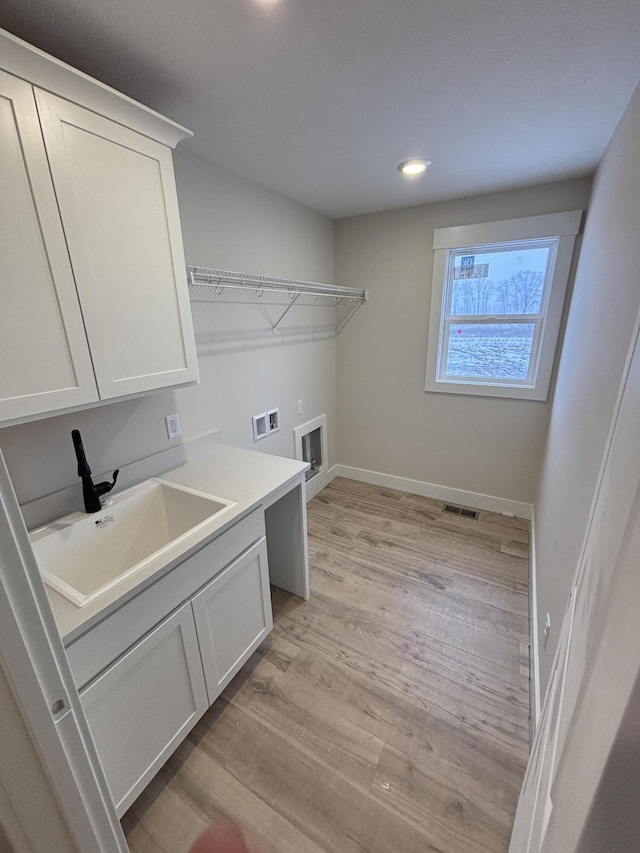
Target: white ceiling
[[320, 99]]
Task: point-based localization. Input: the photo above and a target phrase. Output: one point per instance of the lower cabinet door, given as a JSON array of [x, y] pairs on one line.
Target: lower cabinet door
[[233, 616], [145, 703]]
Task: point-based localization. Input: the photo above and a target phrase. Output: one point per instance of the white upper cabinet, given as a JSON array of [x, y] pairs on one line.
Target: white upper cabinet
[[94, 298], [117, 199], [44, 356]]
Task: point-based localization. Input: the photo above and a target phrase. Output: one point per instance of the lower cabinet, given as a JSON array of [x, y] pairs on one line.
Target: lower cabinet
[[145, 703], [233, 616]]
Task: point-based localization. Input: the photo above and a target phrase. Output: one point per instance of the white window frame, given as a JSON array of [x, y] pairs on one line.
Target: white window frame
[[473, 239]]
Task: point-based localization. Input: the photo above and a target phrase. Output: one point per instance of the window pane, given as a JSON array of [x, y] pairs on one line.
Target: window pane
[[498, 281], [500, 351]]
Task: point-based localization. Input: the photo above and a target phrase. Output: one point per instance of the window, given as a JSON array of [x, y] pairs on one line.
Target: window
[[496, 302]]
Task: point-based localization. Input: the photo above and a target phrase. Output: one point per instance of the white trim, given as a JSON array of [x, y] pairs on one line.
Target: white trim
[[581, 564], [36, 665], [489, 503], [504, 231], [562, 226], [48, 73], [260, 426], [634, 342], [320, 482], [534, 652]]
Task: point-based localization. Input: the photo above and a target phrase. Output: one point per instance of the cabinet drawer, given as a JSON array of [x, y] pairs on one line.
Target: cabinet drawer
[[90, 653], [144, 705], [233, 616]]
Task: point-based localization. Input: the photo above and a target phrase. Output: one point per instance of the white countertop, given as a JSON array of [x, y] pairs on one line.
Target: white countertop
[[247, 478], [243, 476]]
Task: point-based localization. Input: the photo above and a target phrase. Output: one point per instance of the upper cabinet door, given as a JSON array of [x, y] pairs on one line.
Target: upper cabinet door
[[44, 357], [117, 199]]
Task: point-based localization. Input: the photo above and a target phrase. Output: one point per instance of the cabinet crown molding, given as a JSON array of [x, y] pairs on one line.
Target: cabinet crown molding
[[48, 73]]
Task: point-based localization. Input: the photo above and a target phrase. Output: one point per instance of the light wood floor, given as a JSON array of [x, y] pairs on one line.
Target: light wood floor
[[388, 713]]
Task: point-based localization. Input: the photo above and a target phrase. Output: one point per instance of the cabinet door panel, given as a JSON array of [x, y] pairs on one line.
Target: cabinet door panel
[[43, 347], [118, 204], [94, 650], [233, 616], [145, 703]]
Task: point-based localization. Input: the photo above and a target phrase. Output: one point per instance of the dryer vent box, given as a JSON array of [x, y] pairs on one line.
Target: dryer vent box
[[311, 445]]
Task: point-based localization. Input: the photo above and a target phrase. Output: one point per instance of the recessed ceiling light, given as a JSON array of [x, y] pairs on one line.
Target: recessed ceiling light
[[413, 168]]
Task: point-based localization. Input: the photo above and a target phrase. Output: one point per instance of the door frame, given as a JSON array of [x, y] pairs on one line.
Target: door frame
[[48, 746]]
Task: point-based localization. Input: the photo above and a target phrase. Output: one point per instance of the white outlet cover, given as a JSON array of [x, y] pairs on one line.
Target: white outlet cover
[[173, 426], [260, 426]]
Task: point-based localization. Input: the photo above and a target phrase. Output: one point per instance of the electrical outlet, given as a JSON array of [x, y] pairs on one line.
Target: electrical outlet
[[173, 426], [547, 628], [300, 407]]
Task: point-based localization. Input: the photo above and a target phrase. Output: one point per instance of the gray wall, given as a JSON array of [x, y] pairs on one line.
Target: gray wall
[[230, 223], [246, 368], [386, 420], [614, 820], [603, 311]]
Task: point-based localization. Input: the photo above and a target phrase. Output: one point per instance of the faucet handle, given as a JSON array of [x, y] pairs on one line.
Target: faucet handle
[[105, 486]]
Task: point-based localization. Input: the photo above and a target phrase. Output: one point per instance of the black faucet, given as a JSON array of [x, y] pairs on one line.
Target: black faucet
[[91, 492]]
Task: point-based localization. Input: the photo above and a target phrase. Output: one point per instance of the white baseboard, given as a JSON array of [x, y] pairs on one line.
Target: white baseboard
[[317, 484], [432, 490], [534, 653]]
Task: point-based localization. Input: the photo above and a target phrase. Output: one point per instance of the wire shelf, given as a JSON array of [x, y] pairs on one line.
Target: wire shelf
[[208, 284]]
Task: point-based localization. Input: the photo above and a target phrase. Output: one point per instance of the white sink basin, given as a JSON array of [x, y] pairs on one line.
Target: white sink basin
[[82, 556]]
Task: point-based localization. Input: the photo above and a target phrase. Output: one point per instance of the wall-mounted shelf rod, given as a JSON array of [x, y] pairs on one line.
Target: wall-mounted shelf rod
[[221, 280], [226, 278]]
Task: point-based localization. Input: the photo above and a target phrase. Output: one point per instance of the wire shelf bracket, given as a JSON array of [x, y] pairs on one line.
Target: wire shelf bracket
[[226, 279]]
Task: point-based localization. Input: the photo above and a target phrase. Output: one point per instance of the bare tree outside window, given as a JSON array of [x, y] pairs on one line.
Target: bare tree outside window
[[496, 304], [498, 288]]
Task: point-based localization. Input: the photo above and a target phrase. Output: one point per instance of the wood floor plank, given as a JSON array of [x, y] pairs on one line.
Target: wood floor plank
[[341, 534], [322, 512], [496, 719], [499, 595], [515, 548], [278, 651], [387, 714], [458, 699], [391, 592], [418, 792], [445, 547], [321, 805], [328, 623], [425, 512], [400, 719], [293, 709]]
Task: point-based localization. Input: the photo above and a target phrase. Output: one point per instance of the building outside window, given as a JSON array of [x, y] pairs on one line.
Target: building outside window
[[497, 297]]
